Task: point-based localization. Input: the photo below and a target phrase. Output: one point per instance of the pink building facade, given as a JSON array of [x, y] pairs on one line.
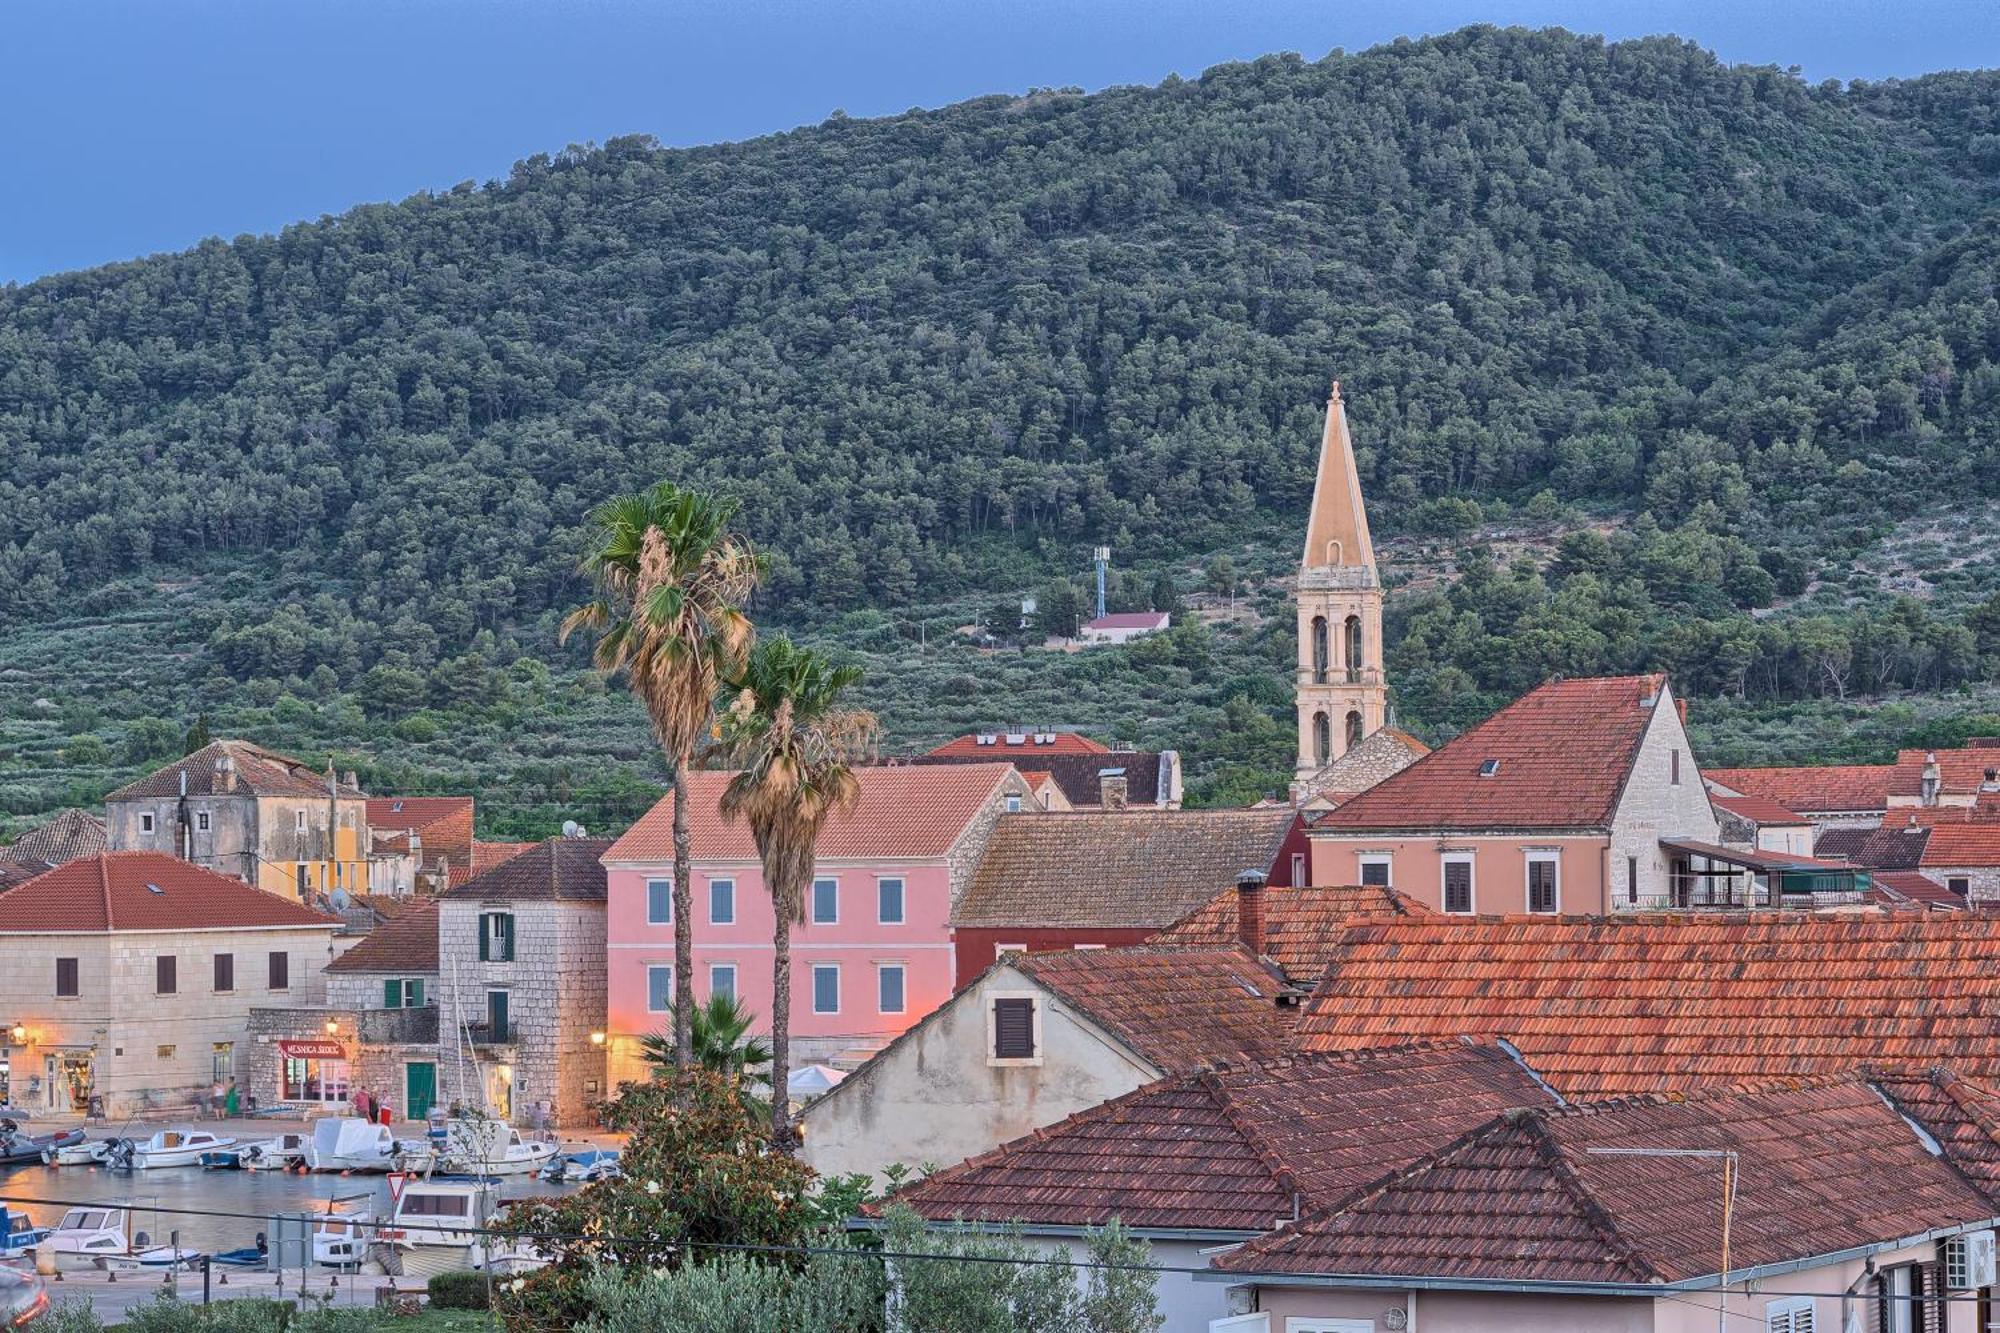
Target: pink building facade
[[875, 952]]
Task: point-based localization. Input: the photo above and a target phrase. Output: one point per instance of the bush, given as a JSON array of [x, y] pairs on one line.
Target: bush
[[457, 1291]]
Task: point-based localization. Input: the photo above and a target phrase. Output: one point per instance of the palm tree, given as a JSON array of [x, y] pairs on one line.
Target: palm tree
[[794, 737], [719, 1032], [671, 578]]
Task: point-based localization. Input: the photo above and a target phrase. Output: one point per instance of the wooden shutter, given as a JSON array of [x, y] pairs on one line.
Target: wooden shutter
[[1458, 886], [66, 976], [1014, 1029], [225, 972], [417, 993], [392, 994], [166, 974], [281, 970], [486, 938]]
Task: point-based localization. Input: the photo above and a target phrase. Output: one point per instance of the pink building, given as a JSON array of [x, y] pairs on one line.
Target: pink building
[[1581, 796], [875, 954]]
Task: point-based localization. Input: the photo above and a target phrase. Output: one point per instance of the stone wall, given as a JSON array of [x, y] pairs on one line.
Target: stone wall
[[965, 854], [380, 1043], [363, 990], [1982, 882], [1654, 806]]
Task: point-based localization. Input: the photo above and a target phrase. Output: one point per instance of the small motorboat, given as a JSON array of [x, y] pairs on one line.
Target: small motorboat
[[349, 1143], [18, 1232], [279, 1154], [167, 1147], [440, 1225], [583, 1167], [492, 1148], [156, 1257], [341, 1238], [87, 1152], [247, 1256], [228, 1159], [17, 1147]]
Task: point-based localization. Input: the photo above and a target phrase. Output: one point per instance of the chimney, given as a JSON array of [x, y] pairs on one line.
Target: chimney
[[1111, 789], [1250, 910], [1932, 779], [226, 767], [351, 780]]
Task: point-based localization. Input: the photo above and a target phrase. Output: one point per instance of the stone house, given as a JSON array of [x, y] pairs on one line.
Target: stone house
[[242, 810], [1042, 1036], [521, 984], [57, 840], [1091, 879], [131, 977], [1582, 796], [1760, 824], [419, 844], [874, 954]]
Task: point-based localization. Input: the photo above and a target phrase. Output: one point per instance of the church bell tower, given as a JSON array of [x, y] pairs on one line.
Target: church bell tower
[[1342, 693]]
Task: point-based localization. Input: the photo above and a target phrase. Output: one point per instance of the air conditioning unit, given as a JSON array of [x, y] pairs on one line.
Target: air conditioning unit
[[1971, 1260]]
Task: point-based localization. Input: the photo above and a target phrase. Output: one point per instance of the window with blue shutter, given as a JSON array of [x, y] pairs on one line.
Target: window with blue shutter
[[889, 901], [659, 989], [659, 902], [722, 902]]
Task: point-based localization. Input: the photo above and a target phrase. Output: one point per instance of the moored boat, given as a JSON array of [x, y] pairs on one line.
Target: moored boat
[[84, 1152], [583, 1167], [349, 1143], [492, 1148], [166, 1147], [17, 1147], [274, 1154], [18, 1232]]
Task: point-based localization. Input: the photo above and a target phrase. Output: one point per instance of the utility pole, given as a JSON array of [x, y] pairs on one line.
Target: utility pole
[[1728, 1159]]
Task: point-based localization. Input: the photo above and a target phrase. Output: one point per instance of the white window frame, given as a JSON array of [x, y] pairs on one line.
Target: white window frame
[[1013, 803], [1388, 864], [902, 900], [1471, 863], [999, 949], [667, 968], [1241, 1323], [713, 970], [902, 972], [1013, 1061], [817, 919], [668, 883], [715, 882], [1553, 858], [1782, 1316], [1299, 872], [299, 820], [818, 968], [1315, 1324], [201, 821], [146, 822]]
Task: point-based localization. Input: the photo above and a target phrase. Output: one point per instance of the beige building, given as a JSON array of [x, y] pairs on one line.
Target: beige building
[[1343, 696], [242, 810], [128, 977]]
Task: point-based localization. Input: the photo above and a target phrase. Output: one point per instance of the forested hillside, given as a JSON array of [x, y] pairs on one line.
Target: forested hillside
[[1721, 344]]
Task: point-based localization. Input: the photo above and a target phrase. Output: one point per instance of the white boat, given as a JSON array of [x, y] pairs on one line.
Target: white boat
[[100, 1237], [279, 1154], [167, 1147], [492, 1148], [90, 1153], [349, 1143], [439, 1224], [341, 1239]]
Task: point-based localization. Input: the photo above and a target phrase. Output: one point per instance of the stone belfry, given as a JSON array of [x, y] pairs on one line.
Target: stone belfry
[[1342, 694]]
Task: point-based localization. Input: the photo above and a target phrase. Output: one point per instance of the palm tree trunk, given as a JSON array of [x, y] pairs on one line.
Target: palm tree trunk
[[781, 1028], [683, 925]]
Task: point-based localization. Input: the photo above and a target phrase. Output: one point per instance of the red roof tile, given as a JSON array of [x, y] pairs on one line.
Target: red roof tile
[[906, 812], [1178, 1009], [442, 825], [1018, 745], [64, 836], [406, 943], [1661, 1003], [1757, 809], [144, 891], [1813, 789], [1563, 751], [1301, 925], [1525, 1199], [1235, 1149], [259, 772], [570, 869], [486, 855], [1963, 1116], [1973, 844], [1961, 772], [1915, 887]]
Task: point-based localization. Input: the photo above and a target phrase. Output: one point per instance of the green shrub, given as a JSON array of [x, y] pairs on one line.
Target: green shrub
[[458, 1291], [71, 1314]]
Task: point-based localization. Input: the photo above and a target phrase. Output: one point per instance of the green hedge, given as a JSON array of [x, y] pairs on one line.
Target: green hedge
[[457, 1291]]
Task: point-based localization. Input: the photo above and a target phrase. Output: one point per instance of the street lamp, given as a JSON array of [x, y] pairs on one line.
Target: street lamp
[[332, 1026], [20, 1034], [597, 1039]]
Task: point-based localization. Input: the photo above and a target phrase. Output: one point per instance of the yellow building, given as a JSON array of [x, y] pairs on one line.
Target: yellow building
[[242, 810]]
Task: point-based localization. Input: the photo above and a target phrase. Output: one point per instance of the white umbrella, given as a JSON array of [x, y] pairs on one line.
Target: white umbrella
[[812, 1080]]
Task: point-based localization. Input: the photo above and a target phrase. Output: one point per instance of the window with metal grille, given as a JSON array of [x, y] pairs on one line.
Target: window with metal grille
[[1541, 885], [1458, 886], [1014, 1029], [496, 937]]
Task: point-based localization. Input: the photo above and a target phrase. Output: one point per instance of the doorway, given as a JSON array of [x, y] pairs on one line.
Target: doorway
[[420, 1086]]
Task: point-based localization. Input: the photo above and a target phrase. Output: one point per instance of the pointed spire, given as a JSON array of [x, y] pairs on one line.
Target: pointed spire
[[1337, 531]]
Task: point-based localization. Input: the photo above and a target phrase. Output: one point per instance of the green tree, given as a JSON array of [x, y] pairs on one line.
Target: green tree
[[672, 576], [1059, 609], [794, 735], [722, 1043], [1164, 595], [197, 735]]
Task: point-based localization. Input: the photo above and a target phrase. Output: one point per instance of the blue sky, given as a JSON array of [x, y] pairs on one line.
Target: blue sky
[[128, 128]]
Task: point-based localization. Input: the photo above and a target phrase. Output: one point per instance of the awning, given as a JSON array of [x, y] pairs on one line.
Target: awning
[[1764, 863], [312, 1050]]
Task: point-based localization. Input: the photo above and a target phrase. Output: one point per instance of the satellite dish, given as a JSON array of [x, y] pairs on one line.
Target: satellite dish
[[572, 829]]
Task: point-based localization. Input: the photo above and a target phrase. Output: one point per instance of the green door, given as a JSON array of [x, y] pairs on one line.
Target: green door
[[420, 1088]]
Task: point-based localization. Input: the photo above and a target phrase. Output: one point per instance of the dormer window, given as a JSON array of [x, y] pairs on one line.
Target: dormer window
[[1489, 768]]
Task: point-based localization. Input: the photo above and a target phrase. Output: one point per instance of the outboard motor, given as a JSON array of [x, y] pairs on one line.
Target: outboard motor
[[118, 1153]]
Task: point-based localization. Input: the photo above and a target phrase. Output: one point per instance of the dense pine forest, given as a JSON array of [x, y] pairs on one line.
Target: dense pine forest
[[1653, 362]]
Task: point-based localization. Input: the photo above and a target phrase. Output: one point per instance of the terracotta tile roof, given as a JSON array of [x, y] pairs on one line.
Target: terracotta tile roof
[[1115, 868], [1961, 772], [1812, 789], [1524, 1199], [1894, 846], [64, 836], [1664, 1003], [259, 772], [1300, 924], [144, 891], [1178, 1009], [1234, 1149], [1563, 751], [570, 869], [1757, 809], [486, 855], [1963, 1116], [14, 873], [406, 943], [1017, 745], [1915, 887], [1972, 844], [1078, 776], [1384, 751], [906, 812]]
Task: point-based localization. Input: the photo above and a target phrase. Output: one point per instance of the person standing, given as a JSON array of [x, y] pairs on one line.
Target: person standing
[[229, 1100]]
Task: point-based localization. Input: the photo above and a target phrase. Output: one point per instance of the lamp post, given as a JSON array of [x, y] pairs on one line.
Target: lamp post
[[1728, 1159]]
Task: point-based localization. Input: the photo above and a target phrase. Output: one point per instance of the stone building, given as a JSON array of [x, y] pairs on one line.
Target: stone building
[[131, 976], [239, 809], [521, 984]]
